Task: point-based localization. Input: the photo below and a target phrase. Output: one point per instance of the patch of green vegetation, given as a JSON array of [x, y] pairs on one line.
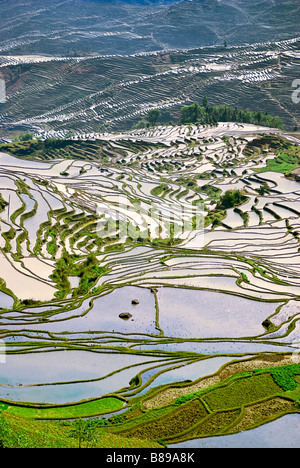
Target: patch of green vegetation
[[287, 154], [284, 163], [166, 242], [241, 391], [19, 432], [79, 410], [230, 199], [88, 271], [244, 277], [214, 218], [156, 191], [3, 203], [212, 191], [214, 424], [269, 143], [284, 377], [171, 421], [185, 398], [8, 236]]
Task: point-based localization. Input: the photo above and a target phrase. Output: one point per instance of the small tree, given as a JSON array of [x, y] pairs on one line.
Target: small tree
[[205, 102], [230, 199], [83, 431], [26, 137], [153, 116]]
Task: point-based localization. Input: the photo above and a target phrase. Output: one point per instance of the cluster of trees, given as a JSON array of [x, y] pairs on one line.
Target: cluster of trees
[[205, 114], [24, 137], [230, 199], [210, 115]]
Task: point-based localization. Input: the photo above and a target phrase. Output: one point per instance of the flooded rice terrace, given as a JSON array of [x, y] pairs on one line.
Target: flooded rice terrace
[[87, 306]]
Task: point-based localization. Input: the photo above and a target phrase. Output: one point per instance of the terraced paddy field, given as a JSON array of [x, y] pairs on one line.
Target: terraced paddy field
[[150, 281]]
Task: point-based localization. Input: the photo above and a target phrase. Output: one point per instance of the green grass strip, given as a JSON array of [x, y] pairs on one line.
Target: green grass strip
[[78, 410]]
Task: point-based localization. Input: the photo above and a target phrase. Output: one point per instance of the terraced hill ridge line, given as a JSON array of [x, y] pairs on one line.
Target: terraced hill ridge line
[[99, 93]]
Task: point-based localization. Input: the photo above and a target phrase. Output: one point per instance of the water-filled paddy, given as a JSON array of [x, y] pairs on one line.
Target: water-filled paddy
[[190, 371], [216, 347], [6, 301], [106, 311], [10, 161], [24, 287], [201, 314], [103, 315], [64, 376]]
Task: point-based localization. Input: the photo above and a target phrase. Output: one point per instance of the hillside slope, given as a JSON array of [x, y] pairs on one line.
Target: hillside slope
[[109, 27]]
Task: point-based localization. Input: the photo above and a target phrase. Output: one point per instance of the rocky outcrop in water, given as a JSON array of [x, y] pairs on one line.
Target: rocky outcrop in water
[[125, 315]]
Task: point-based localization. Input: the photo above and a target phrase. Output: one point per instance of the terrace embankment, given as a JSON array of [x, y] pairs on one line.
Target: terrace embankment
[[171, 393]]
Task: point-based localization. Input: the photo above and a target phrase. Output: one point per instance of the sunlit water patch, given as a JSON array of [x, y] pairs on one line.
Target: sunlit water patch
[[64, 376], [200, 314], [105, 312], [6, 301]]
